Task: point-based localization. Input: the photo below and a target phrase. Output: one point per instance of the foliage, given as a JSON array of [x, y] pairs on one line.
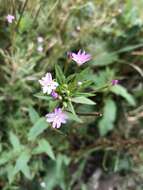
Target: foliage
[[104, 120]]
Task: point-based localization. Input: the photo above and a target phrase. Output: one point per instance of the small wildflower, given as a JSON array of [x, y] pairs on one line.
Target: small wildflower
[[114, 82], [43, 184], [78, 28], [56, 118], [40, 39], [48, 84], [81, 57], [120, 10], [40, 48], [54, 94], [79, 83], [10, 18], [113, 21]]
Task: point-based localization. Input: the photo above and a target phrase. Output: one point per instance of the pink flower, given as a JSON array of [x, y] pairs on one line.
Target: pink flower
[[81, 57], [115, 81], [48, 84], [40, 48], [10, 18], [40, 39], [56, 118]]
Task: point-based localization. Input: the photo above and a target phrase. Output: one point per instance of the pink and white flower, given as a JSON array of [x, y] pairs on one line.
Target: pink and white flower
[[56, 118], [81, 57], [48, 84], [40, 39], [10, 18], [40, 48]]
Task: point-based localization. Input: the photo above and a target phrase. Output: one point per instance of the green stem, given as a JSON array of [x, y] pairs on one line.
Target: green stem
[[66, 67], [89, 114]]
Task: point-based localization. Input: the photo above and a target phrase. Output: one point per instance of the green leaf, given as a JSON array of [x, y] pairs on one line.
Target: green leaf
[[84, 74], [60, 161], [70, 78], [25, 23], [21, 164], [73, 117], [44, 147], [6, 157], [109, 115], [85, 94], [83, 100], [84, 187], [50, 174], [120, 90], [103, 77], [37, 129], [105, 58], [42, 97], [34, 116], [14, 141], [0, 148], [59, 75], [10, 173], [71, 108], [129, 48]]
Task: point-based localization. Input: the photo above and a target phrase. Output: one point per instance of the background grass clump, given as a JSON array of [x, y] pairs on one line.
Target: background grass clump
[[32, 154]]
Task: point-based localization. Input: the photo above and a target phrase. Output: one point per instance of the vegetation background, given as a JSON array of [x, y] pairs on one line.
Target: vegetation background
[[34, 156]]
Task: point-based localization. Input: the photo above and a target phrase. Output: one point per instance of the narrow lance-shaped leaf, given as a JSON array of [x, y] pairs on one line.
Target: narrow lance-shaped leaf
[[21, 164], [34, 116], [10, 173], [120, 90], [44, 147], [14, 141], [59, 75], [37, 129], [109, 115], [83, 100], [105, 58], [6, 157], [43, 97], [71, 108]]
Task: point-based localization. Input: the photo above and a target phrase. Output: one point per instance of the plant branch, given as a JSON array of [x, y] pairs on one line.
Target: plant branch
[[89, 114]]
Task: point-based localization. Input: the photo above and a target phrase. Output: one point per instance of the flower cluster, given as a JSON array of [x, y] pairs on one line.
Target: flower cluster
[[60, 91], [49, 86]]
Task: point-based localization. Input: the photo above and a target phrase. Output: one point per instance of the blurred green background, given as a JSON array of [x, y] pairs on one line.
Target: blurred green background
[[32, 155]]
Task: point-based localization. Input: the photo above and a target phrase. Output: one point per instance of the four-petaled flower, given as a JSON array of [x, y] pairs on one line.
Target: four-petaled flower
[[48, 84], [81, 57], [10, 18], [56, 118]]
